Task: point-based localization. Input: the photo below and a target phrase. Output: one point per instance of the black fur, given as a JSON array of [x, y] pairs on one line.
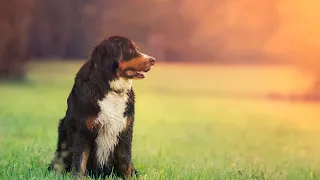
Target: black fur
[[77, 132]]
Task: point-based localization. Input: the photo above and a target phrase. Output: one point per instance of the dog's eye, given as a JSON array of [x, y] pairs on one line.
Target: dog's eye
[[130, 50]]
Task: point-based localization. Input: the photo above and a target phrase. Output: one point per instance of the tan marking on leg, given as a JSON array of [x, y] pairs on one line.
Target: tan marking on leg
[[128, 173], [91, 124], [129, 121], [85, 156]]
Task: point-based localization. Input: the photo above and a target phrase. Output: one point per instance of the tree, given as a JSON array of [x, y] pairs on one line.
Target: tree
[[15, 18], [57, 29]]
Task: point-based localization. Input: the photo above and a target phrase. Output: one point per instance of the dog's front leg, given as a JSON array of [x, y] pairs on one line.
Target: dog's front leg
[[81, 152], [124, 167]]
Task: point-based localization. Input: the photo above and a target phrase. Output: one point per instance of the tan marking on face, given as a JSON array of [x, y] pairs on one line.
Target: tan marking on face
[[139, 63], [85, 156]]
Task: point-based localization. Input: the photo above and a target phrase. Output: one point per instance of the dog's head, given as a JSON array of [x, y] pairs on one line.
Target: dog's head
[[122, 58]]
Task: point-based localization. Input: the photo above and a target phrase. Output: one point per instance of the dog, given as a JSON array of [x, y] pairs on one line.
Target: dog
[[95, 136]]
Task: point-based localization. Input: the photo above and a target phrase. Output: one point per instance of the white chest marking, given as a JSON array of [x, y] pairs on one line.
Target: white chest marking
[[111, 120]]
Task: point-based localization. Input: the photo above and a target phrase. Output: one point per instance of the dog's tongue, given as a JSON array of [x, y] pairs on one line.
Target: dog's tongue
[[140, 74], [130, 73]]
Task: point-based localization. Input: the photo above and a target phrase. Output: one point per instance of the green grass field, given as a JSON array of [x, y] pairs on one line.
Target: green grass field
[[192, 122]]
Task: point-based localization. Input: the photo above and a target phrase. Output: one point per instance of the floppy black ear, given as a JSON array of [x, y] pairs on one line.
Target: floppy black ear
[[108, 49], [114, 48], [106, 56]]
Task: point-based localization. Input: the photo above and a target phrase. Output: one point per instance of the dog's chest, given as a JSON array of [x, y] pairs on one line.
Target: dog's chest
[[111, 121]]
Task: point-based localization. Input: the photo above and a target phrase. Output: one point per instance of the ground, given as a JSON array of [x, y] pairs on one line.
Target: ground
[[192, 122]]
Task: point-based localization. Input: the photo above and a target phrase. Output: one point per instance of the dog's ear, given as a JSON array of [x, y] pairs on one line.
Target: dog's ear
[[106, 57], [114, 49], [108, 49]]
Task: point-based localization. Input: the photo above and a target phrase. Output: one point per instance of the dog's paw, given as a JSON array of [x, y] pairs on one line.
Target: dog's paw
[[77, 175], [135, 173]]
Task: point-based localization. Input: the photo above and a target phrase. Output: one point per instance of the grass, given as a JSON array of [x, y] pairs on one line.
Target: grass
[[192, 122]]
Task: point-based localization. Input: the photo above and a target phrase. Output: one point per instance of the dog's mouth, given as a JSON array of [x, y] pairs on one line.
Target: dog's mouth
[[142, 74], [136, 74]]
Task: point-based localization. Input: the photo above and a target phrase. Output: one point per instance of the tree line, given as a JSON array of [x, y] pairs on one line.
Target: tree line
[[173, 30], [170, 29]]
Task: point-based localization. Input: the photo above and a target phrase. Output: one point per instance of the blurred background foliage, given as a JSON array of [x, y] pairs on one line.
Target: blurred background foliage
[[218, 31]]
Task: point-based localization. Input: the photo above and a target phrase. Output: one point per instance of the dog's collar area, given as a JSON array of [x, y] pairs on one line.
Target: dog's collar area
[[120, 91], [121, 85]]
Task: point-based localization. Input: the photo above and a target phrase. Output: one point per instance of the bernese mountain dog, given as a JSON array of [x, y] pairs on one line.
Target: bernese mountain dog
[[95, 136]]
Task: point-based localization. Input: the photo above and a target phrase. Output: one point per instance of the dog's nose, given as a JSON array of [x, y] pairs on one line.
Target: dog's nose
[[152, 60]]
